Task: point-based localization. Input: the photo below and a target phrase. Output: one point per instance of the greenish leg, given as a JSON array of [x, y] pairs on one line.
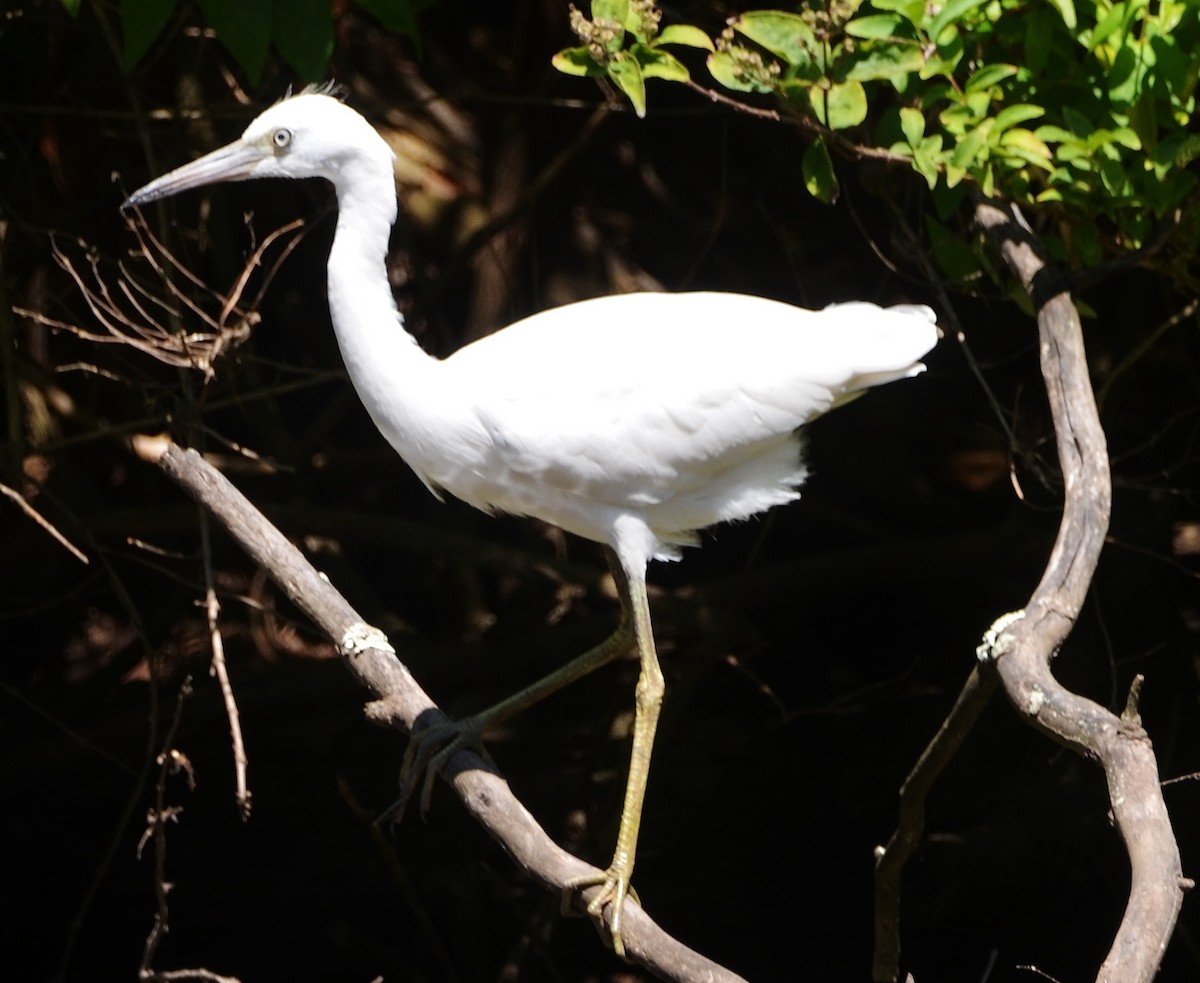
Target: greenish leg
[[429, 749], [614, 882]]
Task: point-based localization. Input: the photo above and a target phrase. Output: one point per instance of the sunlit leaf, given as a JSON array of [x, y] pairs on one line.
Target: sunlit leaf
[[1066, 10], [912, 11], [875, 26], [785, 35], [684, 34], [840, 106], [576, 61], [969, 149], [613, 10], [1013, 115], [873, 61], [659, 64], [953, 11], [1025, 145], [724, 68], [627, 74], [988, 76], [912, 125]]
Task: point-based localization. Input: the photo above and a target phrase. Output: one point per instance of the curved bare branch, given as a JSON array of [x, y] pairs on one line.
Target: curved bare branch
[[1026, 647]]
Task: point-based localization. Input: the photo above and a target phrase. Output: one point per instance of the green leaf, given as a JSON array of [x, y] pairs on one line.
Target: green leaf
[[968, 150], [1111, 22], [876, 60], [990, 75], [953, 11], [1076, 122], [141, 23], [613, 10], [244, 27], [658, 64], [1112, 176], [840, 106], [1026, 146], [303, 34], [577, 61], [398, 16], [621, 12], [956, 258], [1020, 113], [724, 68], [875, 26], [912, 11], [72, 6], [912, 125], [927, 159], [785, 35], [819, 177], [1066, 10], [684, 34], [1054, 134], [627, 74]]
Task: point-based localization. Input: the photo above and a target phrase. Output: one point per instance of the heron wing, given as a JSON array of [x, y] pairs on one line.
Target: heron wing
[[633, 399]]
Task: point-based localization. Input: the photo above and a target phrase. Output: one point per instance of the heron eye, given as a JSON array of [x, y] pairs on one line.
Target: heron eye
[[281, 138]]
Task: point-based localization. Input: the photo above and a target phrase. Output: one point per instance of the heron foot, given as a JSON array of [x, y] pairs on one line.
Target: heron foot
[[427, 753], [608, 904]]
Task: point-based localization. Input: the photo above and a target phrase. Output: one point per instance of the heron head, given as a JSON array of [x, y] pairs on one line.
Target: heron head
[[308, 135]]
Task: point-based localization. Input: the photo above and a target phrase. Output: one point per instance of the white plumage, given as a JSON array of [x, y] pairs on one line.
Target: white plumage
[[634, 420]]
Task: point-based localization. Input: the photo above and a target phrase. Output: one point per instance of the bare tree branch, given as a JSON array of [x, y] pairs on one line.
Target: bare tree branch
[[400, 703], [1021, 646], [1025, 648]]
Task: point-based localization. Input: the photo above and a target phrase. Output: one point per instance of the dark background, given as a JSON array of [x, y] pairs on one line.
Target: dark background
[[809, 655]]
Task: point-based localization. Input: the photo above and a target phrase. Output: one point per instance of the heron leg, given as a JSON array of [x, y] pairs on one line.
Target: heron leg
[[614, 882], [429, 749]]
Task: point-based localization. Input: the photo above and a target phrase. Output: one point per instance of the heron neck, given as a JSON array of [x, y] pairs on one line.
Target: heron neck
[[384, 361]]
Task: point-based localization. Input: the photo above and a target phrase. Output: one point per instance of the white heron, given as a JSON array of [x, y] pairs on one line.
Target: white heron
[[633, 420]]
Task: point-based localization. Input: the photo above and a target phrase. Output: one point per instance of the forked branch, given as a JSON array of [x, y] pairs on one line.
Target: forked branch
[[1021, 646], [1025, 649]]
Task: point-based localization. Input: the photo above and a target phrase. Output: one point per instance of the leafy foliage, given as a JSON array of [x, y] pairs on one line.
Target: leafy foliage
[[604, 52], [300, 30], [1084, 110]]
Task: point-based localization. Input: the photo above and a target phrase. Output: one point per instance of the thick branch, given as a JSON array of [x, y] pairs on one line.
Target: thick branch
[[1028, 645], [401, 702]]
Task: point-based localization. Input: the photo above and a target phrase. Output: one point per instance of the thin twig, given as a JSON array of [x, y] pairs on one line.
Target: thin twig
[[212, 613], [891, 859], [36, 516], [169, 762]]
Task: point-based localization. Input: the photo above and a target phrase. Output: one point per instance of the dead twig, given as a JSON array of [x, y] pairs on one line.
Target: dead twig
[[891, 859], [170, 761], [36, 516], [212, 613], [139, 317]]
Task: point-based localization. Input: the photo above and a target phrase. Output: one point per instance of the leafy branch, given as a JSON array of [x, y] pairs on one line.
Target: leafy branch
[[1081, 113]]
